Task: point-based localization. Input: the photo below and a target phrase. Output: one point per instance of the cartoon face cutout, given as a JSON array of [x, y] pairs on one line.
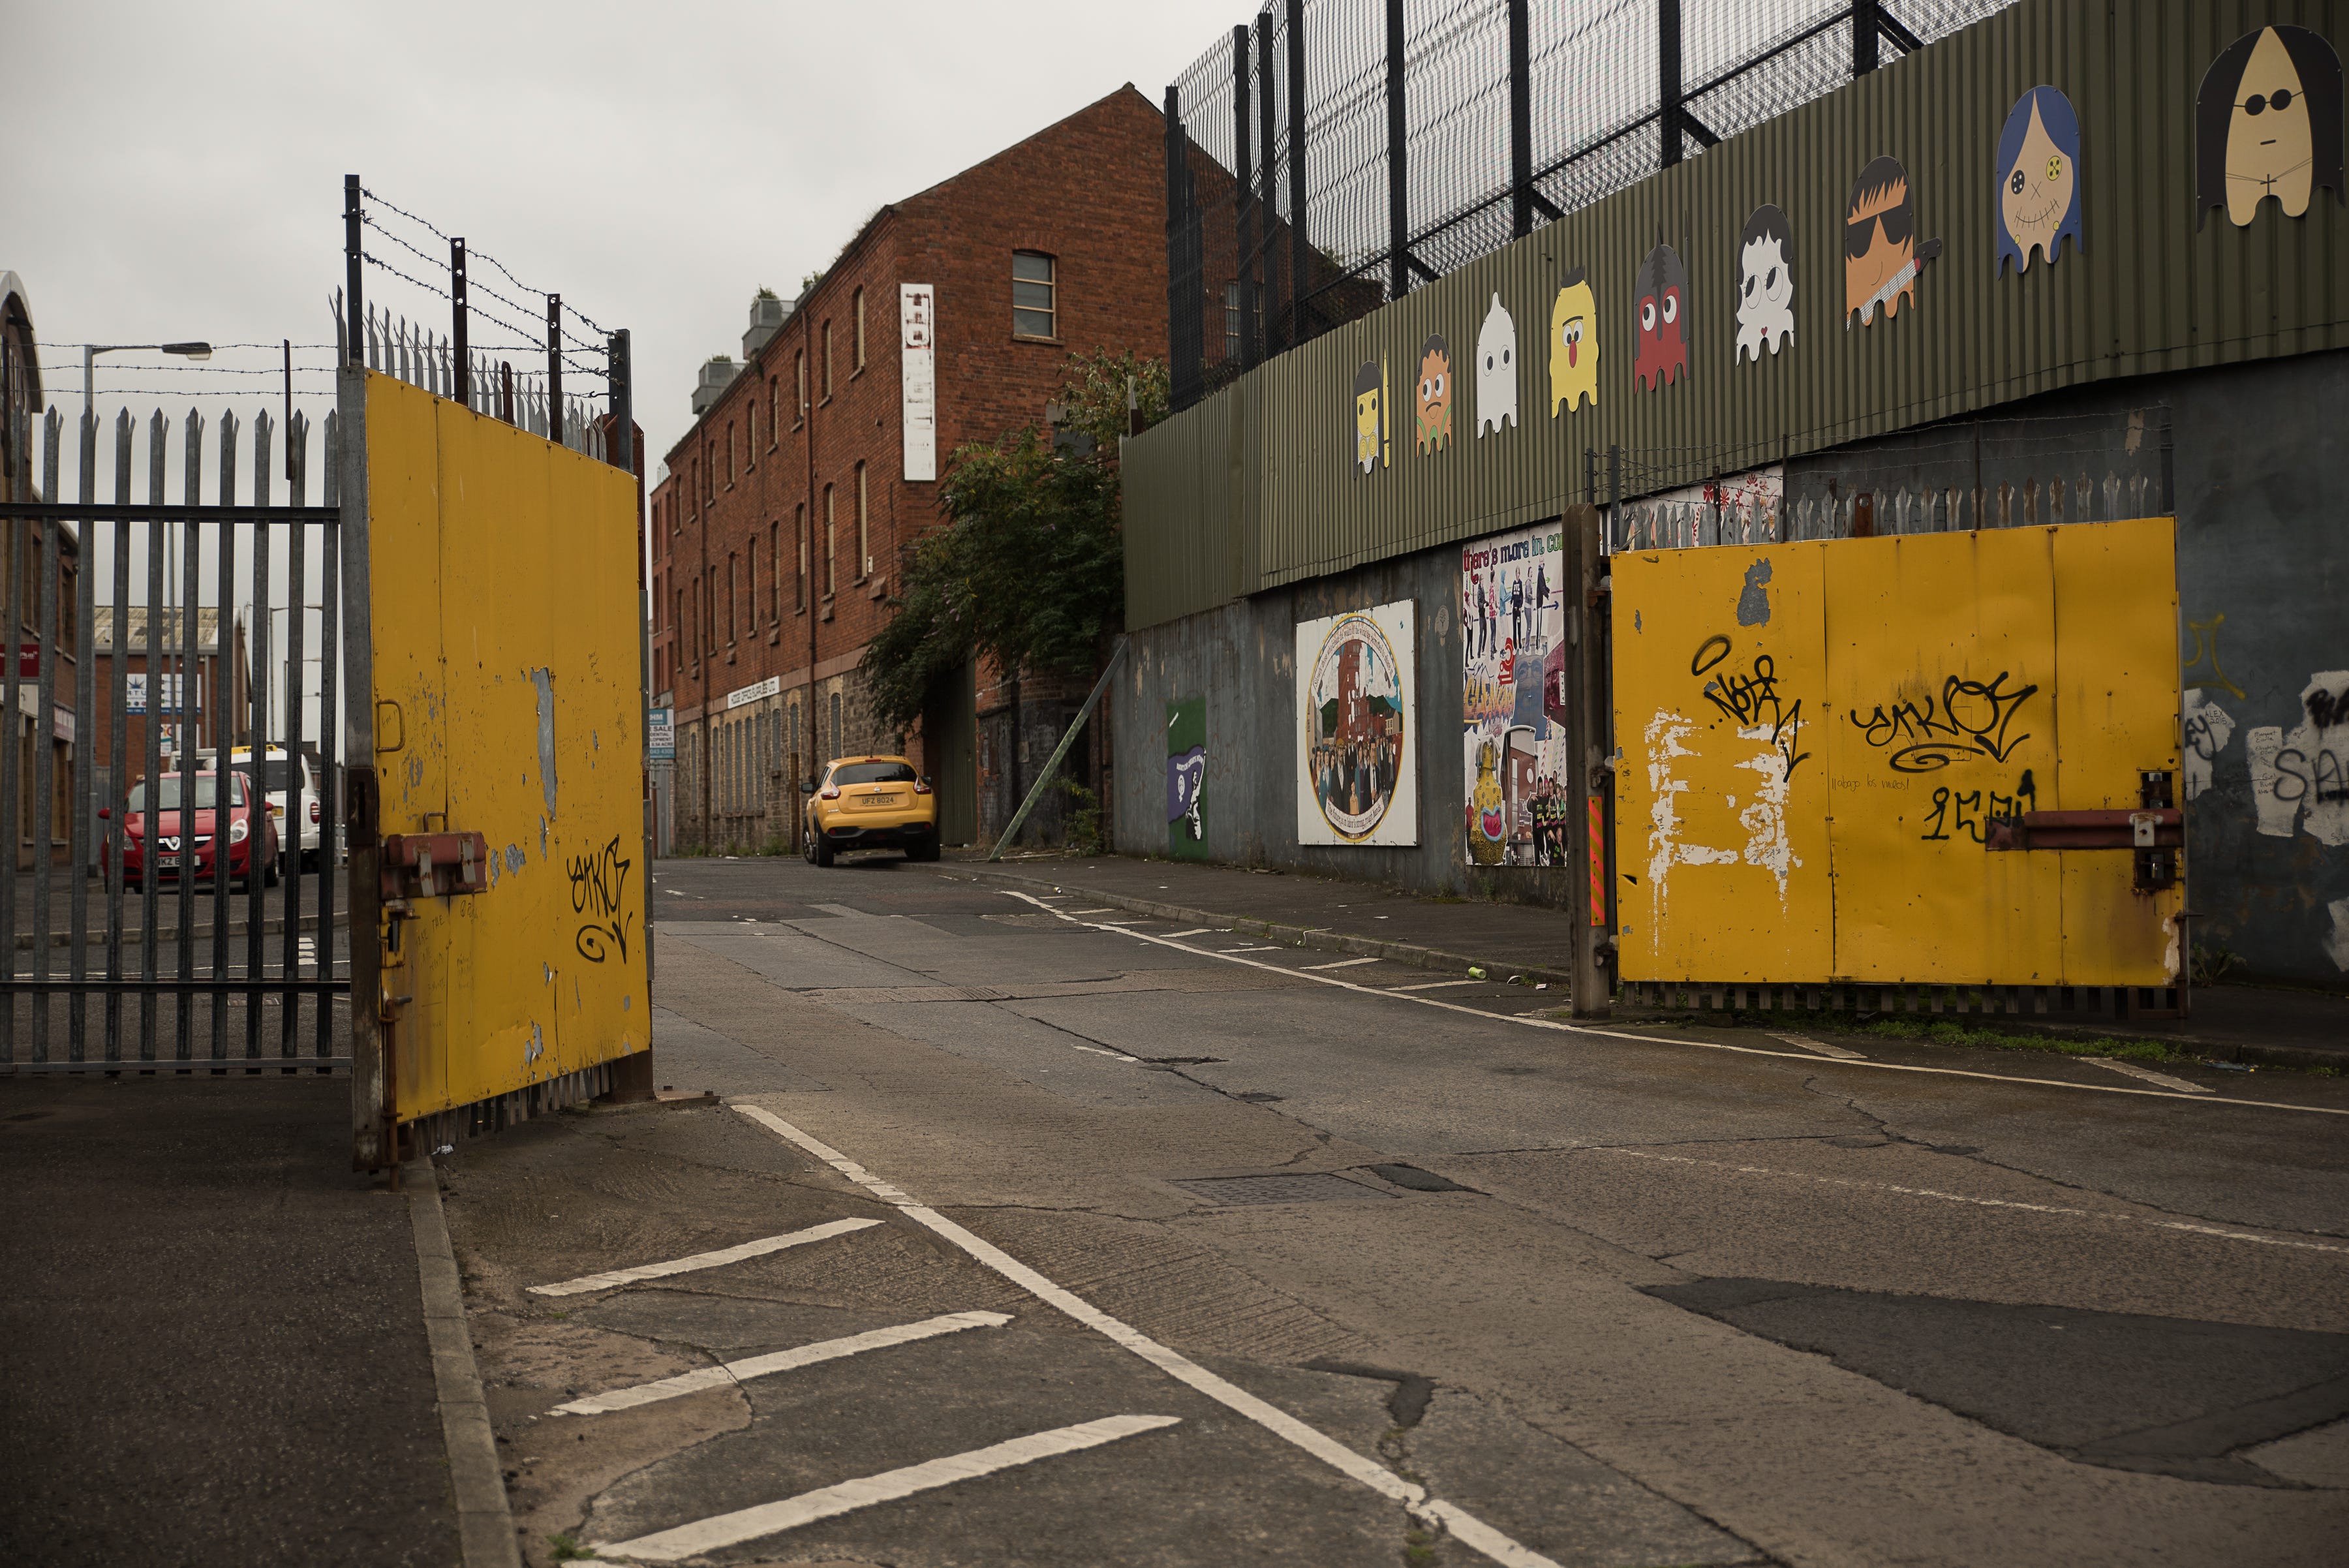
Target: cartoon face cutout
[[1661, 308], [1434, 395], [1370, 418], [2268, 123], [1765, 283], [1573, 346], [1881, 254], [2038, 173], [1496, 371]]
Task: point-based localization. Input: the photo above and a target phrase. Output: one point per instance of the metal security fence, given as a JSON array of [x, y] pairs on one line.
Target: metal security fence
[[1334, 155]]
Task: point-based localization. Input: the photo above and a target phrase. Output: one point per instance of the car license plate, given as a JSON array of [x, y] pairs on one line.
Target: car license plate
[[876, 802], [167, 861]]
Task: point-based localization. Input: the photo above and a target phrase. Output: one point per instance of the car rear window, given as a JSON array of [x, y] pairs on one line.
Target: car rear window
[[873, 773]]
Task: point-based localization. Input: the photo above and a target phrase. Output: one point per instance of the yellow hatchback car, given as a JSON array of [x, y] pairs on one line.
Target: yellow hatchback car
[[871, 802]]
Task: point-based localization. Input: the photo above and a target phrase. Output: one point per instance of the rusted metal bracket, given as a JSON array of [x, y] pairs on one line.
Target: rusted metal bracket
[[2161, 829], [434, 865]]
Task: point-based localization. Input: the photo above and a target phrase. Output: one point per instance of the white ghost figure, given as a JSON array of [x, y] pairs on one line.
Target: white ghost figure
[[1765, 297], [1496, 371]]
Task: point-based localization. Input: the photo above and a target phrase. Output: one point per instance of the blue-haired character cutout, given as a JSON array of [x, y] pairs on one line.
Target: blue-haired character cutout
[[2038, 170]]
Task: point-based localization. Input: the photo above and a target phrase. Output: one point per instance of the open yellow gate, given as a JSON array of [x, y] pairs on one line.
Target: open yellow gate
[[1932, 760], [499, 839]]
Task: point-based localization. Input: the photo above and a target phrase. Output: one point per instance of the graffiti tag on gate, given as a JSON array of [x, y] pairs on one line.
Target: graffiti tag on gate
[[598, 882], [1970, 719]]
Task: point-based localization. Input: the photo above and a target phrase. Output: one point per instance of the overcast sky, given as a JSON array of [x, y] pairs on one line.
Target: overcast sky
[[176, 170]]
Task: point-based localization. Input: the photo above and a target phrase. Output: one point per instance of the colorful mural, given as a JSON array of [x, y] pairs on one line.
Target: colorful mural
[[1371, 431], [1513, 698], [1356, 713], [1434, 400], [1496, 371], [1186, 778], [1882, 255], [2268, 123], [1765, 283], [1573, 346], [1660, 311], [2038, 172]]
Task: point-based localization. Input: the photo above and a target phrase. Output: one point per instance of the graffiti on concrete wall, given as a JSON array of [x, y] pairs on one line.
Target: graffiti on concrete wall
[[1356, 723], [1513, 698], [1186, 778], [2299, 777]]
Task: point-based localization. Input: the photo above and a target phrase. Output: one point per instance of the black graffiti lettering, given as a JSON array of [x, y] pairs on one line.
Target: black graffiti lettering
[[598, 883], [1936, 829], [2326, 709], [1753, 700], [1970, 719], [1709, 652], [1983, 711], [2200, 736], [1959, 812], [2322, 777]]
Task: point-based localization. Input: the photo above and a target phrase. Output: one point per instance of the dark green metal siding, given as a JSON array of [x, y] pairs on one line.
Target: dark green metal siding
[[1253, 488]]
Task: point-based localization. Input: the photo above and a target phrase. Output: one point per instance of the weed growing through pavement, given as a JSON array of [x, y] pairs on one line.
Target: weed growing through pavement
[[566, 1549], [1418, 1548]]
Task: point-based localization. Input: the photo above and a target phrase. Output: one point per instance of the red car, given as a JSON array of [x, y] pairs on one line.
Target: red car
[[180, 846]]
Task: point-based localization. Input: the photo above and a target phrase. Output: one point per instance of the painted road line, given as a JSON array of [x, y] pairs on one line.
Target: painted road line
[[1103, 1051], [1193, 932], [789, 1360], [1928, 1192], [1554, 1026], [1104, 909], [1469, 1529], [717, 1533], [1431, 985], [2146, 1075], [1341, 963], [1820, 1047], [719, 1259], [1259, 947]]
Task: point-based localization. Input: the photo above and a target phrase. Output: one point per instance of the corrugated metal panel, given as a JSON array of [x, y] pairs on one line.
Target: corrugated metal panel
[[2148, 293]]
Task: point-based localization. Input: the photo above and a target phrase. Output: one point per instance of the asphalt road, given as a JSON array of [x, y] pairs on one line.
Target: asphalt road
[[1159, 1245]]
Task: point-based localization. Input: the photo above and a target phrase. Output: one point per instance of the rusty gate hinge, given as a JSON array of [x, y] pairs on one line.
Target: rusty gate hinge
[[2163, 829], [434, 865], [361, 811]]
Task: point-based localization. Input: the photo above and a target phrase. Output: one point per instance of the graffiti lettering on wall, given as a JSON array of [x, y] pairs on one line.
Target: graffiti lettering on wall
[[1355, 727], [598, 882], [1970, 719], [2300, 778], [1751, 697], [1513, 698], [1960, 813], [1186, 778]]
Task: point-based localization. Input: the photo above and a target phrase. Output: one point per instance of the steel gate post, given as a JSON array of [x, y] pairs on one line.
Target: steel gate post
[[373, 1141], [1589, 776]]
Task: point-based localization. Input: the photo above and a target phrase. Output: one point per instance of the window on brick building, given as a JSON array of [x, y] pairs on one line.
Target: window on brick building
[[751, 582], [831, 539], [800, 539], [730, 455], [1035, 312], [774, 573], [798, 371], [730, 598], [827, 361], [856, 330], [774, 411], [1232, 322], [710, 610], [835, 724], [750, 437], [864, 526]]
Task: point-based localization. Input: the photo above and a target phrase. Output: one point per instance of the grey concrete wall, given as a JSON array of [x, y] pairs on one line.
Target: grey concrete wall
[[2258, 472]]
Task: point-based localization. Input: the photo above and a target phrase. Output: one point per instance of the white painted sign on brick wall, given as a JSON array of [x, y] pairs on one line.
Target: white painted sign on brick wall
[[918, 320]]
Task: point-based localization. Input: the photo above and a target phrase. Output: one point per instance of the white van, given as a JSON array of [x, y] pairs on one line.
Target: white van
[[277, 772]]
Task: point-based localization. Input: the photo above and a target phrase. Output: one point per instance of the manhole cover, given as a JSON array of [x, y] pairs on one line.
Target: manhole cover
[[1312, 1187]]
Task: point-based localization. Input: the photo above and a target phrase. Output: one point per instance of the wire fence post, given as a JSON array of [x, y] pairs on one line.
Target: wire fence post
[[1184, 349], [462, 360], [1668, 81], [554, 368], [1264, 313], [1242, 194], [1398, 165], [355, 327], [1866, 27], [1299, 249], [1521, 121]]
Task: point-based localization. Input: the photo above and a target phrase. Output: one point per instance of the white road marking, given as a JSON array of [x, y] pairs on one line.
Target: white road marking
[[1530, 1021], [1259, 947], [1464, 1525], [1821, 1047], [1977, 1202], [1105, 1051], [779, 1361], [1193, 932], [2147, 1075], [724, 1255], [726, 1530], [1341, 963], [1432, 985], [1104, 909]]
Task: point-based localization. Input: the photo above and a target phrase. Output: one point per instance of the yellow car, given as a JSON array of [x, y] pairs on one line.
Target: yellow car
[[871, 802]]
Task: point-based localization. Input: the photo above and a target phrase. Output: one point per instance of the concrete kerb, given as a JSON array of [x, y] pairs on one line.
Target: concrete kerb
[[1410, 953], [484, 1522]]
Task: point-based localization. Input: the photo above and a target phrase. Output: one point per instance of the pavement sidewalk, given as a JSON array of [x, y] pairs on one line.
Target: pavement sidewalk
[[2252, 1024], [216, 1346]]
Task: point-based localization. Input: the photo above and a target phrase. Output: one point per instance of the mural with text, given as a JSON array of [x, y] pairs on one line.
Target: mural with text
[[1513, 698]]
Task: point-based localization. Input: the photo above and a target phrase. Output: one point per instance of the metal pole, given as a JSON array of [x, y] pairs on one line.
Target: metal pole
[[1521, 121], [1866, 27], [1299, 252], [1243, 190], [1398, 162], [1052, 763], [1262, 310], [1668, 81], [554, 368], [354, 339], [1181, 375], [462, 362]]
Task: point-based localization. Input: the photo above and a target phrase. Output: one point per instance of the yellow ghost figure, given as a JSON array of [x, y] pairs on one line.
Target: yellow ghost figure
[[1573, 347]]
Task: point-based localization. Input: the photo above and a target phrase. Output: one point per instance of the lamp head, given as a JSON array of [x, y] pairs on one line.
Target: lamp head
[[192, 350]]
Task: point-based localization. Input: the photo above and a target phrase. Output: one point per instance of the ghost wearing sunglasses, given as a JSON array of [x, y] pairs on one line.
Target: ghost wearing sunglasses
[[2268, 123], [1882, 255]]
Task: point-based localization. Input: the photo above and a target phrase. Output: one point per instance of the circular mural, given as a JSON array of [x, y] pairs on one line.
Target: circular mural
[[1357, 723]]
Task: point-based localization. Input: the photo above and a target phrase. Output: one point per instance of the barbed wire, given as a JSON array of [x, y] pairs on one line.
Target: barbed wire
[[568, 362], [105, 392], [472, 255], [216, 348]]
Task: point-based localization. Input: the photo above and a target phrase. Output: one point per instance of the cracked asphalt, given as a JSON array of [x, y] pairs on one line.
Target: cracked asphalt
[[1650, 1296]]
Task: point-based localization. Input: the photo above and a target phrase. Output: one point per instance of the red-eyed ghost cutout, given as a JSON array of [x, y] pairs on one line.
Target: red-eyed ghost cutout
[[1660, 317]]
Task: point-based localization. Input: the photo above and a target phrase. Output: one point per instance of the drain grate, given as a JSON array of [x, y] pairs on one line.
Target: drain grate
[[1310, 1187]]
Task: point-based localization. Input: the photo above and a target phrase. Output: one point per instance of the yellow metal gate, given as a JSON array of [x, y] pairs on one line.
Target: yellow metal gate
[[500, 838], [1937, 760]]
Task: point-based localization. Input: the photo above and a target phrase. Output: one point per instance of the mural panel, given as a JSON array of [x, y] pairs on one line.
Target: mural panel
[[1186, 778], [1356, 719], [1513, 698]]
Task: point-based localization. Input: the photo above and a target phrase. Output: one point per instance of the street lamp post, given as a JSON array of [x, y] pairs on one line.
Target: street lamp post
[[90, 351]]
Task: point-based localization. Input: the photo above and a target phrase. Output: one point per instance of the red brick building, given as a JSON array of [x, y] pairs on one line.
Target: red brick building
[[777, 531]]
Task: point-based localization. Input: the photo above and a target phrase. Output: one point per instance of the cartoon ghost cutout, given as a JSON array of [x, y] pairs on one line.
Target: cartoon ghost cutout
[[1496, 371], [2268, 123], [1434, 395], [1370, 418], [1881, 254], [1573, 346], [1661, 293], [1765, 283], [2038, 172]]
